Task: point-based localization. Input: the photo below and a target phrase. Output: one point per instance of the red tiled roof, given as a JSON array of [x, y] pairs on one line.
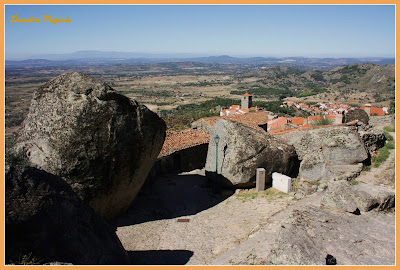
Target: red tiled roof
[[210, 120], [276, 123], [308, 126], [281, 129], [310, 118], [297, 120], [251, 119], [247, 95], [330, 116], [375, 111], [178, 140]]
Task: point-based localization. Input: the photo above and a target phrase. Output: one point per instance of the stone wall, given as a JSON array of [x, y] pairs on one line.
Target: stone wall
[[379, 120], [181, 161]]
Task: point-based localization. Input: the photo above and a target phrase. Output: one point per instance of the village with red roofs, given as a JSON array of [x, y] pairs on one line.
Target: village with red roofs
[[257, 118]]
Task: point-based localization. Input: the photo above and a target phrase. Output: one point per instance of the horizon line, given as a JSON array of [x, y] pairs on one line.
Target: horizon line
[[171, 55]]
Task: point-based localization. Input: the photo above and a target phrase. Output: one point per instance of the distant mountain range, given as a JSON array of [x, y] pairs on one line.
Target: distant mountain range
[[101, 57], [111, 55]]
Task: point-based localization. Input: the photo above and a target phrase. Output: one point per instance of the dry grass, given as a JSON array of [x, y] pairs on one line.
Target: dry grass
[[269, 194]]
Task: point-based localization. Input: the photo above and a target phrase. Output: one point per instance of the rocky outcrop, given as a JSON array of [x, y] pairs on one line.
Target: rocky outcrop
[[241, 150], [356, 114], [204, 124], [364, 197], [313, 167], [315, 236], [373, 139], [343, 196], [47, 221], [102, 143], [386, 120], [328, 153], [384, 196]]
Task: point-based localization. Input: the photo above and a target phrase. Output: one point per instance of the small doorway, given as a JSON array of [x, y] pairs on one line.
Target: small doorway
[[177, 163]]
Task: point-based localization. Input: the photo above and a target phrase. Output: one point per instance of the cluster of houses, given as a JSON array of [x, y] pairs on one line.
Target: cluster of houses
[[330, 111], [334, 109], [278, 124], [245, 107], [187, 149]]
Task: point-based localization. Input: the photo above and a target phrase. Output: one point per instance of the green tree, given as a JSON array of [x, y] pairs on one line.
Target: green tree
[[392, 107]]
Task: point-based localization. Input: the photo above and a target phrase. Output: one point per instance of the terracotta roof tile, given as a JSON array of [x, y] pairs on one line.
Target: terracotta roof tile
[[178, 140], [252, 119], [310, 118], [276, 123], [281, 129], [377, 111], [297, 120], [247, 95], [308, 126], [374, 110]]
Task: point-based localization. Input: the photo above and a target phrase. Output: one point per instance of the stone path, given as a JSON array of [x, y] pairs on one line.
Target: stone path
[[212, 229], [181, 220]]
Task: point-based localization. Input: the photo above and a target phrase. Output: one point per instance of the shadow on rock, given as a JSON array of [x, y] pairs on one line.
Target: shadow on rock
[[160, 257], [172, 196], [47, 222]]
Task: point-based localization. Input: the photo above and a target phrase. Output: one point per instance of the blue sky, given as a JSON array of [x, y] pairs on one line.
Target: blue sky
[[241, 30]]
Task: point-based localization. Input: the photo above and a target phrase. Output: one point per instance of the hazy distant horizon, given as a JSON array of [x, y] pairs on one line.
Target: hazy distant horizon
[[166, 55], [320, 31]]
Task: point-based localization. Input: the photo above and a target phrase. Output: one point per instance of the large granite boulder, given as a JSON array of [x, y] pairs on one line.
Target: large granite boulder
[[102, 143], [242, 149], [356, 114], [46, 221], [328, 153]]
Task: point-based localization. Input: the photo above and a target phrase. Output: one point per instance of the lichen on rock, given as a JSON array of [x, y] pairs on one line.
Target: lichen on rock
[[102, 143]]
